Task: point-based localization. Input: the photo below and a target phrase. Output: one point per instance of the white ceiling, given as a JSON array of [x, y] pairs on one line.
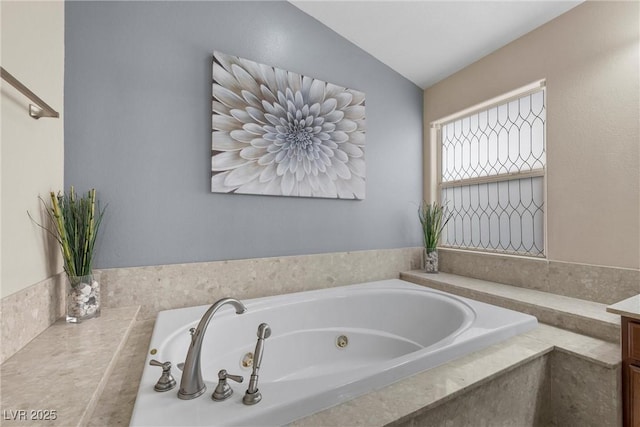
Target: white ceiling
[[426, 41]]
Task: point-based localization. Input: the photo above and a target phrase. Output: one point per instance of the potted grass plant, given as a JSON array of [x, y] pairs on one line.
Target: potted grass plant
[[433, 218], [74, 223]]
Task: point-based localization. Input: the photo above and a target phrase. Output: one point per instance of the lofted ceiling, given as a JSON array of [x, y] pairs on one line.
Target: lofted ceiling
[[426, 41]]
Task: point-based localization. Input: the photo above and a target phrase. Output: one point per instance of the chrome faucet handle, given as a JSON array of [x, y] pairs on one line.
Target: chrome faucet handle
[[223, 390], [166, 381]]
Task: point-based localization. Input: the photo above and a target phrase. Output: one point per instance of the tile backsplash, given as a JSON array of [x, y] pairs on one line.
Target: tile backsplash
[[27, 313], [601, 284], [163, 287]]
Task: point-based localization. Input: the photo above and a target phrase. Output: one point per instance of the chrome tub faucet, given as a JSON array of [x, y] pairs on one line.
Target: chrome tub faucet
[[192, 385]]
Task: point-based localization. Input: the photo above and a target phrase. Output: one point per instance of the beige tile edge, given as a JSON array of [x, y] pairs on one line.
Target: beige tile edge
[[463, 392], [629, 307], [115, 406], [27, 313], [477, 384], [79, 361], [93, 403], [600, 352]]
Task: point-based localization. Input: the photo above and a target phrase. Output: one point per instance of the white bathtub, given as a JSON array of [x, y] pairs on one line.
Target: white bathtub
[[395, 329]]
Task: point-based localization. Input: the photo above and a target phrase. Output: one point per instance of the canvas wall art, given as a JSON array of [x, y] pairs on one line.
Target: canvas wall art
[[276, 132]]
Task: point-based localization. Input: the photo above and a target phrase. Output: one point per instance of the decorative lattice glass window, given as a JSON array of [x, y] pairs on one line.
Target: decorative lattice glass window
[[492, 174]]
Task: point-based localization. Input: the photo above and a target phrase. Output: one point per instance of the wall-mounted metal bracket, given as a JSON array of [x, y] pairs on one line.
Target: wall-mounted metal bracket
[[41, 109]]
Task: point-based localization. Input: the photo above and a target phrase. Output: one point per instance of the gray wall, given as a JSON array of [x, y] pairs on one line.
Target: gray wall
[[138, 129]]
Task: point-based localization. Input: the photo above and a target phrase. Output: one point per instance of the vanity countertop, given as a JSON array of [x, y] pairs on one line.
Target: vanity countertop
[[629, 307]]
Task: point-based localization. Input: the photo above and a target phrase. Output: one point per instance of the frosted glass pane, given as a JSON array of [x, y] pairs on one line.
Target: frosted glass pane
[[505, 216], [506, 138]]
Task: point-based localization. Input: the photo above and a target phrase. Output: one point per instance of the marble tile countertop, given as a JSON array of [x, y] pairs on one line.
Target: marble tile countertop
[[629, 307], [57, 379]]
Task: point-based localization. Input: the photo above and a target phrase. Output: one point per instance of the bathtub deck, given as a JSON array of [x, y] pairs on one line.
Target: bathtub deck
[[584, 317], [408, 399], [397, 404], [63, 371]]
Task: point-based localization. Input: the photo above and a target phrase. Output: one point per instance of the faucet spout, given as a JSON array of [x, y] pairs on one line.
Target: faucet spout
[[192, 385]]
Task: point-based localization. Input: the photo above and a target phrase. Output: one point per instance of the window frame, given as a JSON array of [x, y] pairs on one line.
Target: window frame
[[436, 133]]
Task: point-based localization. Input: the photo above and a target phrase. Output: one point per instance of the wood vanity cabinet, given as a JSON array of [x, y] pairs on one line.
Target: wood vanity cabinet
[[631, 371]]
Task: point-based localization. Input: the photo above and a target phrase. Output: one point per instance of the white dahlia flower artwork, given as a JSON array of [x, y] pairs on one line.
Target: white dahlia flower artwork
[[276, 132]]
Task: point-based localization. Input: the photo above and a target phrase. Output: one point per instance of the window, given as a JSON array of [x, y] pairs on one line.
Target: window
[[492, 174]]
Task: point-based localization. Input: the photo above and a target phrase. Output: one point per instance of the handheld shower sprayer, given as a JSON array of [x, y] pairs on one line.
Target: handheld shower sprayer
[[253, 396]]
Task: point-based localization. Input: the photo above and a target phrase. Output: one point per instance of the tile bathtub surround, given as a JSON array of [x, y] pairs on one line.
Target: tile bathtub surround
[[165, 287], [583, 394], [411, 401], [554, 390], [28, 312], [589, 282], [516, 398], [408, 398], [411, 398], [383, 406], [65, 369], [592, 350]]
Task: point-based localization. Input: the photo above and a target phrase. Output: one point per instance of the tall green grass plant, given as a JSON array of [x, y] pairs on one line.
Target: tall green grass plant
[[433, 218], [75, 224]]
